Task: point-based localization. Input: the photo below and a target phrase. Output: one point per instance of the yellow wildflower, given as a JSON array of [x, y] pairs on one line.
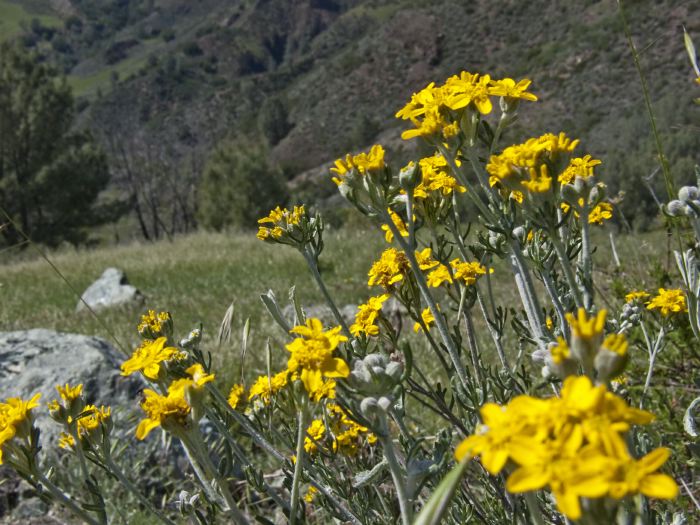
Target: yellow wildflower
[[468, 272], [587, 329], [312, 353], [438, 276], [281, 220], [636, 295], [236, 396], [314, 434], [265, 387], [428, 320], [425, 260], [668, 302], [629, 476], [68, 393], [154, 325], [400, 226], [170, 411], [561, 352], [435, 178], [310, 494], [367, 315], [389, 269], [148, 357], [364, 164], [578, 167], [16, 418], [508, 88]]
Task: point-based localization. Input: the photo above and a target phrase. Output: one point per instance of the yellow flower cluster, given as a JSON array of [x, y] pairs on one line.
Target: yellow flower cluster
[[280, 219], [524, 167], [154, 325], [466, 272], [90, 420], [16, 418], [171, 411], [435, 178], [400, 226], [428, 319], [668, 302], [435, 110], [364, 164], [573, 444], [265, 387], [367, 314], [236, 396], [600, 213], [149, 356], [347, 434], [391, 268], [314, 434], [312, 355]]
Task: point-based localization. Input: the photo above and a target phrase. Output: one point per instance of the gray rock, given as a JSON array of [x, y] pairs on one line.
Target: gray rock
[[37, 360], [111, 289]]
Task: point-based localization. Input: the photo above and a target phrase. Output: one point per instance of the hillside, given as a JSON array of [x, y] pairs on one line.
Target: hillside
[[175, 77]]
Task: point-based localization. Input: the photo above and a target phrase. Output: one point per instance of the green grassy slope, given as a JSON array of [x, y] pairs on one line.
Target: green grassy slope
[[15, 17]]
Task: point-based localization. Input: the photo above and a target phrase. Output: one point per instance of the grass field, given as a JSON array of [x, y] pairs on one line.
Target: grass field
[[14, 15], [196, 278]]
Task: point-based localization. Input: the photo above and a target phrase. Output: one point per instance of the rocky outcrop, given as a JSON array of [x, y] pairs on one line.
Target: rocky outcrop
[[37, 360], [111, 289]]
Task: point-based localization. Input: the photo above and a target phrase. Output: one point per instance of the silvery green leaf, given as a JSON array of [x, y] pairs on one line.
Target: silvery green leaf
[[368, 476], [270, 303], [689, 423], [301, 317]]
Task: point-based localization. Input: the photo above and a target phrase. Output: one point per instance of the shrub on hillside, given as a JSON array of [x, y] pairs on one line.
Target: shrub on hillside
[[238, 186]]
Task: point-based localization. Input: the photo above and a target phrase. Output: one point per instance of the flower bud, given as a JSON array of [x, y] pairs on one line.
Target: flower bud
[[688, 193], [587, 335], [676, 208], [409, 177], [192, 340], [368, 407], [612, 357]]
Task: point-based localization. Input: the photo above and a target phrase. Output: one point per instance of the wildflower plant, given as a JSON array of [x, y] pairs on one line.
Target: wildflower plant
[[527, 408]]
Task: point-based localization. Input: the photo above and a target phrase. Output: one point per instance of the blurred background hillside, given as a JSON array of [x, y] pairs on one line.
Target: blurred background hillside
[[184, 114]]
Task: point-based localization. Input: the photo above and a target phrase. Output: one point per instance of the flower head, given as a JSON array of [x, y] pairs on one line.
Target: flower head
[[236, 396], [170, 411], [281, 221], [367, 315], [364, 164], [148, 357], [154, 325], [668, 302], [389, 269], [312, 354], [16, 418]]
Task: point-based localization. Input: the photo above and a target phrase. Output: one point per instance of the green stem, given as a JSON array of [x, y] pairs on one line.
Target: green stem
[[63, 499], [215, 479], [397, 476], [427, 296], [313, 266], [653, 352], [263, 443], [586, 259], [566, 267], [552, 292], [523, 281], [299, 464], [534, 507]]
